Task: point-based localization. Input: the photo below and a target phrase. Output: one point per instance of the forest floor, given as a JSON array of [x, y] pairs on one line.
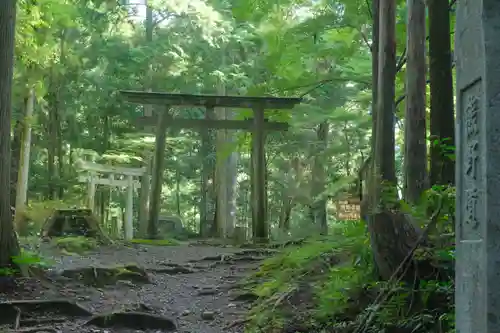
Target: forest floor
[[135, 288]]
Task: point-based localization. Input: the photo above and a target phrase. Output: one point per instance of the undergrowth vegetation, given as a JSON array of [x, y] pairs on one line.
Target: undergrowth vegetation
[[330, 285]]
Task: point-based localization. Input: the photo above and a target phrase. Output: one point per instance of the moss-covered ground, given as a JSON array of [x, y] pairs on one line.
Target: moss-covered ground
[[329, 285]]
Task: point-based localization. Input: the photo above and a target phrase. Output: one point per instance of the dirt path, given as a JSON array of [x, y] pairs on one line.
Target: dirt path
[[191, 285]]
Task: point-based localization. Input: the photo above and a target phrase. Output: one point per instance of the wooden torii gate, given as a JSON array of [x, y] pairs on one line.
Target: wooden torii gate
[[258, 126], [93, 179]]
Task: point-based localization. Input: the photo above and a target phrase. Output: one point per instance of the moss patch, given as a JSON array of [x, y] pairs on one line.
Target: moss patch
[[156, 242], [75, 245]]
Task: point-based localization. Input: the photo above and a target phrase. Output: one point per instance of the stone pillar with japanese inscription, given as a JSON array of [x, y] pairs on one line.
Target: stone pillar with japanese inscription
[[477, 52]]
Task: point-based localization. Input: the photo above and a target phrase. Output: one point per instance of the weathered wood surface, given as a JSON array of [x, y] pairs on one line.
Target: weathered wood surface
[[246, 124], [90, 166], [108, 181], [259, 178], [143, 97]]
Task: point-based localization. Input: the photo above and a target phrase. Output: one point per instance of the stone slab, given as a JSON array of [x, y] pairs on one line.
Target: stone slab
[[477, 51]]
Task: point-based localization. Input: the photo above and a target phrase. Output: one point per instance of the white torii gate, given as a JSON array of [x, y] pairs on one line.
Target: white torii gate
[[93, 179]]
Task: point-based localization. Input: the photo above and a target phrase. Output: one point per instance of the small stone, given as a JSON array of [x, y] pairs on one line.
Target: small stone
[[207, 292], [231, 305], [185, 313], [207, 315]]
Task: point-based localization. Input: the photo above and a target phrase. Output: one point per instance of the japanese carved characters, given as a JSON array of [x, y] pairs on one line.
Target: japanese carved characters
[[471, 160]]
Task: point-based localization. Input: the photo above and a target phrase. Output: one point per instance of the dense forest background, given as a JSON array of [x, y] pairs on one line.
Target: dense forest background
[[75, 57]]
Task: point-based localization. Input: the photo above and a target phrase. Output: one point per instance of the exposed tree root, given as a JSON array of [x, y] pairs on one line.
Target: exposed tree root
[[100, 276], [133, 320], [21, 314]]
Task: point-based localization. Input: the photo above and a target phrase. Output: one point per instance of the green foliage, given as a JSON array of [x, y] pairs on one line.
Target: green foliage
[[322, 273], [79, 54], [445, 146], [26, 259], [329, 284]]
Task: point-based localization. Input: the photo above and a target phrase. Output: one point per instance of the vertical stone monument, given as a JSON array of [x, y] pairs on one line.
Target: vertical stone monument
[[477, 52]]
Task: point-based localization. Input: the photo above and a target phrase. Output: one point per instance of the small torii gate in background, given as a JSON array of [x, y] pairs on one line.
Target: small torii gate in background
[[93, 179], [258, 126]]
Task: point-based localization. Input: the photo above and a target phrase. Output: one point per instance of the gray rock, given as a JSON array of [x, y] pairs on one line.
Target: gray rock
[[208, 315]]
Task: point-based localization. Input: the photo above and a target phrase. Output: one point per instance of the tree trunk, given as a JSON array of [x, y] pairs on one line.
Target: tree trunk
[[9, 245], [178, 192], [318, 205], [157, 182], [104, 191], [51, 153], [24, 164], [232, 190], [148, 157], [251, 172], [144, 193], [370, 203], [442, 120], [415, 170], [60, 158], [285, 214], [384, 149], [14, 161], [392, 236], [208, 200], [59, 114], [221, 172]]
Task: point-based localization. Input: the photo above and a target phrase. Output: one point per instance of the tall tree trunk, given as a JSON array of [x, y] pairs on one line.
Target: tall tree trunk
[[208, 199], [9, 245], [384, 149], [24, 164], [370, 203], [442, 120], [392, 236], [148, 157], [60, 157], [221, 180], [232, 190], [285, 213], [59, 114], [178, 192], [225, 169], [144, 193], [415, 170], [51, 153], [104, 191], [157, 182], [14, 161], [251, 172], [318, 206]]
